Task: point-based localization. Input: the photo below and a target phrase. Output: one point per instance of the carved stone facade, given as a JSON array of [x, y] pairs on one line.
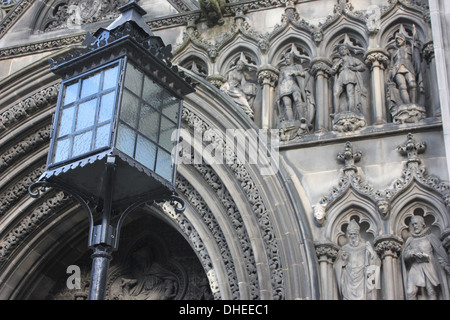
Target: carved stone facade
[[345, 196]]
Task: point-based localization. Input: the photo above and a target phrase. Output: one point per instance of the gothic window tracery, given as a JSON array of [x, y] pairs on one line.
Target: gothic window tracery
[[197, 66]]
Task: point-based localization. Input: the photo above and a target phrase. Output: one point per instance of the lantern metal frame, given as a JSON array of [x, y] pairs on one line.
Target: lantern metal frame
[[128, 38]]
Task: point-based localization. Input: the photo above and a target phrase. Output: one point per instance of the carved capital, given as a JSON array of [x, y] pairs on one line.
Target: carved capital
[[377, 58], [320, 66], [388, 246], [268, 75], [326, 251]]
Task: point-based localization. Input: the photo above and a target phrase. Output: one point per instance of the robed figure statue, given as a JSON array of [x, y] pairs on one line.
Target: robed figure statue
[[357, 267], [425, 263]]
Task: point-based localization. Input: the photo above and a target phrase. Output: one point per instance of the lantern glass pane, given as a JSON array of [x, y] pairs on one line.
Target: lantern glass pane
[[151, 92], [168, 128], [126, 138], [86, 114], [82, 143], [170, 108], [129, 110], [62, 148], [133, 79], [70, 93], [66, 122], [146, 152], [149, 122], [148, 119], [102, 136], [90, 85], [107, 107], [110, 78], [164, 165]]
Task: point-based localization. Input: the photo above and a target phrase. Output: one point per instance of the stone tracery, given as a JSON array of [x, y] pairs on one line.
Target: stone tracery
[[398, 203]]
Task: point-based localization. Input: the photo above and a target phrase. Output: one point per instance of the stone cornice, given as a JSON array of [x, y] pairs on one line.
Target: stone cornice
[[41, 46], [181, 19]]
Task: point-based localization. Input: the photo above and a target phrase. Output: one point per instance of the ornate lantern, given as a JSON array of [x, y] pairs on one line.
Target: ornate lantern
[[114, 135]]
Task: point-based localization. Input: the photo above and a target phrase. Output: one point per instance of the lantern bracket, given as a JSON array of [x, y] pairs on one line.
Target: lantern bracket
[[113, 233]]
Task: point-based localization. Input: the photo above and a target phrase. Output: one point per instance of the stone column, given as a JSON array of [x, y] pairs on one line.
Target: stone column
[[377, 60], [440, 28], [428, 54], [319, 68], [326, 253], [389, 249], [267, 77]]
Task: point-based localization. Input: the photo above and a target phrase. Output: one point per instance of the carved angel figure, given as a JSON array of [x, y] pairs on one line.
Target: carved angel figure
[[238, 86]]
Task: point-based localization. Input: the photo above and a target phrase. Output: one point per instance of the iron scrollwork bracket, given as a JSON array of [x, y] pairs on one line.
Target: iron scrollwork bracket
[[177, 202]]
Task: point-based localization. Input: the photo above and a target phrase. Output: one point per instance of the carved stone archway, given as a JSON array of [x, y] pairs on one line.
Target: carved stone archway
[[244, 237]]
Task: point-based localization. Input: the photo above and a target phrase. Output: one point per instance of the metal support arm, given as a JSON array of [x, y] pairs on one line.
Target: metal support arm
[[104, 238]]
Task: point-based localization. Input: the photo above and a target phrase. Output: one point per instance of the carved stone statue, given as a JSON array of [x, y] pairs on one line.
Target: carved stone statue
[[425, 264], [295, 99], [213, 11], [357, 267], [405, 80], [238, 86], [347, 70]]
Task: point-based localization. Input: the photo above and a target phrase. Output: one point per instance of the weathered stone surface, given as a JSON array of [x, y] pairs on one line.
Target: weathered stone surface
[[271, 192]]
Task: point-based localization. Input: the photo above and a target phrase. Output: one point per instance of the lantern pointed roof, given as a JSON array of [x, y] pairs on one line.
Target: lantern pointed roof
[[131, 12]]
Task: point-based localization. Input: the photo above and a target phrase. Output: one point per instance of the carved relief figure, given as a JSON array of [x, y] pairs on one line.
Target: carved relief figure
[[348, 80], [74, 13], [357, 267], [295, 99], [238, 86], [425, 264], [404, 79], [147, 280]]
